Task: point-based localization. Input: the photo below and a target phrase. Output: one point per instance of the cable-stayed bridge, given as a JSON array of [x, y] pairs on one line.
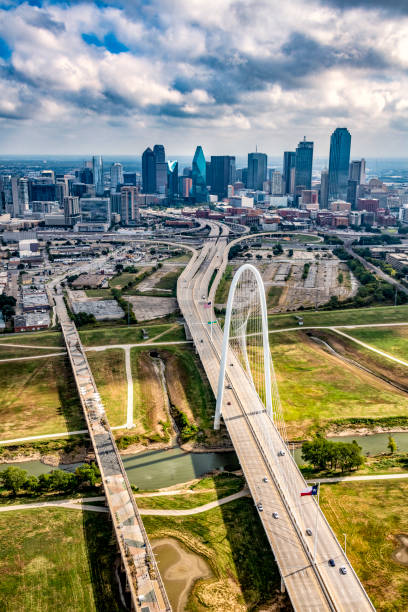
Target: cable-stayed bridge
[[240, 371]]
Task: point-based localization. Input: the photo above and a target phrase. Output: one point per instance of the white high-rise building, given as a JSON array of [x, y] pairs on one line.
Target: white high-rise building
[[97, 166], [116, 175]]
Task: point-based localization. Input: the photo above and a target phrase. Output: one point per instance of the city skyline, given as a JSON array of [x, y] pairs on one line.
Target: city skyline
[[126, 73]]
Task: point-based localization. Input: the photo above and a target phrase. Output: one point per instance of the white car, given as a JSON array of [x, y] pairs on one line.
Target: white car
[[281, 453], [265, 479], [343, 569], [259, 506], [275, 515]]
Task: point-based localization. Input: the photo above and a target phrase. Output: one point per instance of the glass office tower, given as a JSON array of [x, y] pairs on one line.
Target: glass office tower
[[199, 176], [339, 161]]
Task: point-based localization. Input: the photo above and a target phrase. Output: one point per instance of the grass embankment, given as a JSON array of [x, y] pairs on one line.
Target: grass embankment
[[57, 559], [108, 369], [352, 316], [221, 295], [372, 514], [316, 387], [36, 339], [382, 367], [392, 340], [205, 490], [188, 391], [231, 538], [61, 447], [38, 397], [273, 296]]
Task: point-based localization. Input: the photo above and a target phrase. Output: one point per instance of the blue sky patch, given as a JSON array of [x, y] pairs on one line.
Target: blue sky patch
[[110, 42]]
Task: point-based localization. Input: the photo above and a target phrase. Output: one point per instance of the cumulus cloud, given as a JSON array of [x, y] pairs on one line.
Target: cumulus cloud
[[233, 67]]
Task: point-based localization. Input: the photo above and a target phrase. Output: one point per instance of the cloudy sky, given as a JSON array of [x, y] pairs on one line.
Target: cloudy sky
[[116, 76]]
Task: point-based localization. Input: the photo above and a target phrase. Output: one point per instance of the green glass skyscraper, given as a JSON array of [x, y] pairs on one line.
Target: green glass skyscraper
[[199, 172]]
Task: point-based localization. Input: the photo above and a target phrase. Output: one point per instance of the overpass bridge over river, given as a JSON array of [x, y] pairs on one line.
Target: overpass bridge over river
[[255, 425]]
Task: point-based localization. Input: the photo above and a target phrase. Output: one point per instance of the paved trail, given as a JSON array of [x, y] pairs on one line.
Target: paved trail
[[80, 505], [45, 437], [129, 416], [33, 357]]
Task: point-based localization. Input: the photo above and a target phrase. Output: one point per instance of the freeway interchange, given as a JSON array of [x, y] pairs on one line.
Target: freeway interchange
[[273, 478]]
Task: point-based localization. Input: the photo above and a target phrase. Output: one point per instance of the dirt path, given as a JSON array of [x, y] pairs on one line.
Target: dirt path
[[166, 331]]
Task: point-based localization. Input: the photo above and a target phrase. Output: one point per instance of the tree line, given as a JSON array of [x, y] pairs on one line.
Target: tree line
[[325, 454], [15, 479]]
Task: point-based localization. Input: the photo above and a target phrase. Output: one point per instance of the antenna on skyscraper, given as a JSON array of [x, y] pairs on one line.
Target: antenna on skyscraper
[[256, 148]]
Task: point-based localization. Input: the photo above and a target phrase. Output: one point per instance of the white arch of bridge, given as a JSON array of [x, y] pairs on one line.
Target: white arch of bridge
[[226, 338]]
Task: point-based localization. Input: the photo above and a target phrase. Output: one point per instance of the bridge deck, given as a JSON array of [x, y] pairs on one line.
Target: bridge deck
[[143, 579], [256, 441]]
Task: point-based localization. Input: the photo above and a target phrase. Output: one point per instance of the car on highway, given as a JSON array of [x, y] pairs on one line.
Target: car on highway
[[275, 515], [332, 563], [265, 479], [281, 453], [229, 386], [259, 506], [309, 531], [343, 570]]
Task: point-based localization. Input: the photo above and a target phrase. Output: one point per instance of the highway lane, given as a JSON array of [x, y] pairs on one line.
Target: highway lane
[[257, 442]]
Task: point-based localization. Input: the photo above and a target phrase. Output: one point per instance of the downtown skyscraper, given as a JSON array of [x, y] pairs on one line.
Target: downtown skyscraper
[[257, 165], [303, 165], [97, 168], [340, 143], [199, 176], [289, 162], [148, 171]]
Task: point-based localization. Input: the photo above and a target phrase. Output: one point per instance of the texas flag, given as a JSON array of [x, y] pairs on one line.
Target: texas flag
[[310, 490]]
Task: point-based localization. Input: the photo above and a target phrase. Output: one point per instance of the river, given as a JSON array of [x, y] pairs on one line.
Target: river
[[163, 468], [154, 469]]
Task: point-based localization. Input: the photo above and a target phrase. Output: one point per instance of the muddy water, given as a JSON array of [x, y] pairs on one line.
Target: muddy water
[[154, 469], [179, 568]]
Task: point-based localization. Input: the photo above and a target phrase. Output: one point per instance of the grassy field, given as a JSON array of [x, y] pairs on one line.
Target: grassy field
[[221, 295], [36, 339], [372, 514], [382, 367], [14, 352], [108, 369], [38, 397], [118, 282], [169, 280], [57, 559], [121, 335], [232, 540], [316, 387], [273, 296], [207, 490], [351, 316], [392, 340]]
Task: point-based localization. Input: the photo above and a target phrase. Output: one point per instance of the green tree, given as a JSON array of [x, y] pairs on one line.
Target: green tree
[[13, 478], [31, 484], [87, 474], [392, 445]]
